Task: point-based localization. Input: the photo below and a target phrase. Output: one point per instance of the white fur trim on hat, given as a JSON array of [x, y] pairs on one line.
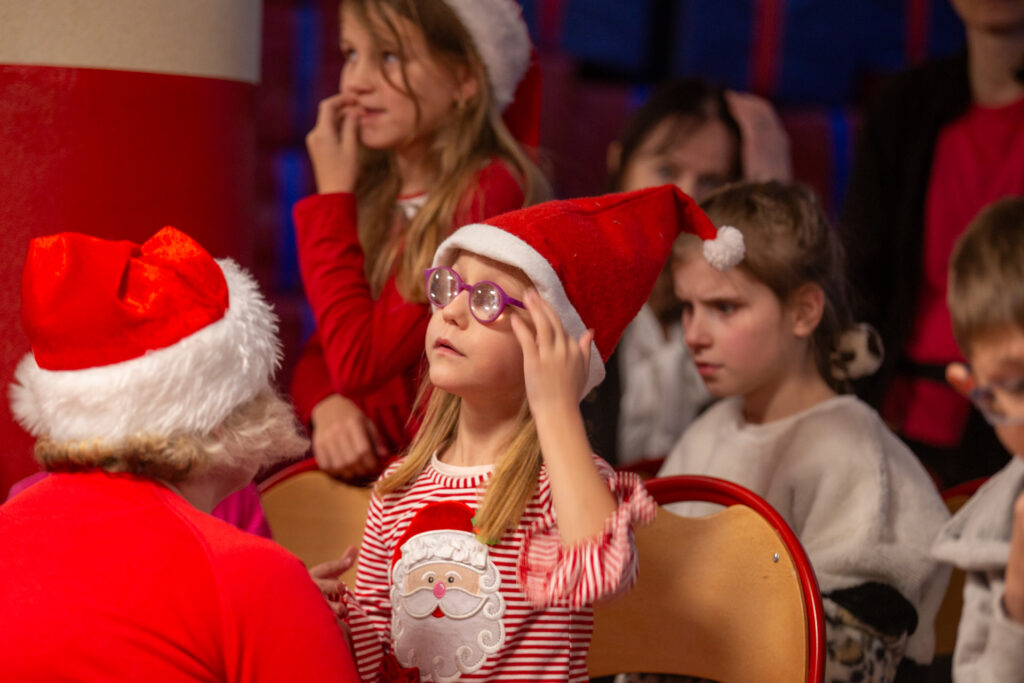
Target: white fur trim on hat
[[726, 250], [445, 545], [501, 245], [189, 387], [502, 40]]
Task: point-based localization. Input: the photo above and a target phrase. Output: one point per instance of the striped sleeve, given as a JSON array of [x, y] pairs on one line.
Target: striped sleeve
[[551, 574], [369, 605]]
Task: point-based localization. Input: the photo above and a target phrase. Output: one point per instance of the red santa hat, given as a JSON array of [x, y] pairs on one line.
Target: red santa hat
[[502, 41], [136, 340], [441, 532], [595, 259]]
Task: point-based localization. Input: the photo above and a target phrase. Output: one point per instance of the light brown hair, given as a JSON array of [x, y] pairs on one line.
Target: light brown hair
[[789, 243], [986, 273], [464, 144], [256, 433]]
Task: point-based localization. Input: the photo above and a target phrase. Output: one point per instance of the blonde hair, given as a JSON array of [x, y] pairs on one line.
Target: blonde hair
[[986, 273], [789, 243], [257, 433], [465, 142], [515, 475]]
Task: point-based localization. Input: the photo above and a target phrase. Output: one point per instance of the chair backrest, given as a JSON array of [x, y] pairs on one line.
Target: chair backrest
[[314, 515], [730, 597], [947, 619]]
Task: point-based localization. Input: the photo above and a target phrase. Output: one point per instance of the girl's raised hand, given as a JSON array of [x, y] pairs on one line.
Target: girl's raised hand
[[554, 364], [333, 145]]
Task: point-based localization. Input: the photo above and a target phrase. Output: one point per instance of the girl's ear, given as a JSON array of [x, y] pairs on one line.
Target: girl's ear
[[467, 86], [807, 305]]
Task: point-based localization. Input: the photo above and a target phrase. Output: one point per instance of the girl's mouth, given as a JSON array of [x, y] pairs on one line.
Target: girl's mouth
[[445, 346], [707, 369]]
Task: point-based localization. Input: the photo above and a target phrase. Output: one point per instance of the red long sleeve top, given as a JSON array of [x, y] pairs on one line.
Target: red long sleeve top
[[370, 349]]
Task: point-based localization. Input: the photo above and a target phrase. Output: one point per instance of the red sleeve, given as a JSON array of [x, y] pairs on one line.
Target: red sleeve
[[310, 381], [277, 625], [366, 342]]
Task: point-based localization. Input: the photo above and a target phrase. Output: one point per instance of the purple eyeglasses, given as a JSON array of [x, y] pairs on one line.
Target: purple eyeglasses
[[487, 300]]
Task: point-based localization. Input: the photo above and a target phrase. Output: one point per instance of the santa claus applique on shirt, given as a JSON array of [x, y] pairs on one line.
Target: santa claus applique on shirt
[[447, 606]]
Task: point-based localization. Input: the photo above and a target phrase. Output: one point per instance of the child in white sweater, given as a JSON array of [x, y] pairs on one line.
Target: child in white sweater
[[986, 537], [774, 338]]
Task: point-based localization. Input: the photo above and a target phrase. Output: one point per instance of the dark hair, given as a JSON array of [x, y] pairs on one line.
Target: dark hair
[[690, 100], [789, 243]]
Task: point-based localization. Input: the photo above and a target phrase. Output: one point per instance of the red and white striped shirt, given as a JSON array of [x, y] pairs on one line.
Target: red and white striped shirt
[[546, 589]]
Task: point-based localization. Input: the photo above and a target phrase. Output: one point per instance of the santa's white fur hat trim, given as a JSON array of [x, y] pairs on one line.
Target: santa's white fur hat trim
[[188, 387], [502, 40], [501, 245], [445, 545]]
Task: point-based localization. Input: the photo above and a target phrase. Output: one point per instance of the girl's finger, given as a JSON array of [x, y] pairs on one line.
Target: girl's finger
[[329, 111], [585, 347], [525, 337], [350, 129], [539, 313]]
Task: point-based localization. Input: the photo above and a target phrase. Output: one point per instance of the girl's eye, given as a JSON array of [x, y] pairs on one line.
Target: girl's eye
[[389, 57], [1013, 387], [725, 307], [665, 172], [710, 183]]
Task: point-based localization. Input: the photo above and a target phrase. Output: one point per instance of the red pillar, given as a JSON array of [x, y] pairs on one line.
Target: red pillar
[[115, 120]]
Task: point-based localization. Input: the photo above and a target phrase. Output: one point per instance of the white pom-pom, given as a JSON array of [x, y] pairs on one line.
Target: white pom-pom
[[726, 250]]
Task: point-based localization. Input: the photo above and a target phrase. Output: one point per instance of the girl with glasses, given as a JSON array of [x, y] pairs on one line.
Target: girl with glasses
[[487, 544]]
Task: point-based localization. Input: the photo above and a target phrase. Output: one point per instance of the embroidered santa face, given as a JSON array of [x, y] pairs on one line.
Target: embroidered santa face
[[447, 610]]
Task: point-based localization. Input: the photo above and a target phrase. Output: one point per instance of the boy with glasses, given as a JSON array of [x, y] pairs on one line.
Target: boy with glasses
[[986, 538]]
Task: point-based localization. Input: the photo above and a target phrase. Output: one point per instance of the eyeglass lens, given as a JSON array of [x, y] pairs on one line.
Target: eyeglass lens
[[485, 301]]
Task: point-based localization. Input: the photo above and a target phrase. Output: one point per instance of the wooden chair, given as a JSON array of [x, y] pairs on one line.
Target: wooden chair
[[313, 514], [730, 597]]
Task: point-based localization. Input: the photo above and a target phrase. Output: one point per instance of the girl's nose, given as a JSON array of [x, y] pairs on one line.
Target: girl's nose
[[695, 332], [356, 76], [457, 311]]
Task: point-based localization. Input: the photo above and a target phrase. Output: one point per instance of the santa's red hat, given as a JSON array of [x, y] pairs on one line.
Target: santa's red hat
[[134, 340], [595, 259]]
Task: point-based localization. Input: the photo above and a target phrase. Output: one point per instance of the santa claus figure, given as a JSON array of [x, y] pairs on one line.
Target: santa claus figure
[[447, 607]]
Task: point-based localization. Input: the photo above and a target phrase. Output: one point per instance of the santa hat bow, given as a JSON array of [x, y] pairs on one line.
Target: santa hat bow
[[595, 259]]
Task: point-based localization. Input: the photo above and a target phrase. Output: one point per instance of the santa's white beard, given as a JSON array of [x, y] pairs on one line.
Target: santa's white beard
[[444, 648]]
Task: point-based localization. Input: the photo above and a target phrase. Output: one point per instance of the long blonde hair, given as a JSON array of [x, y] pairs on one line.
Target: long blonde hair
[[515, 476], [465, 142]]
